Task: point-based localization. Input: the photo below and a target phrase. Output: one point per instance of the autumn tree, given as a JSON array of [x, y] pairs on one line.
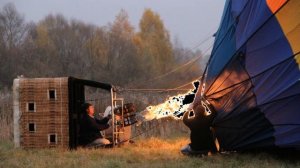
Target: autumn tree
[[12, 32], [122, 59], [154, 43], [115, 53], [12, 25], [61, 43], [96, 49]]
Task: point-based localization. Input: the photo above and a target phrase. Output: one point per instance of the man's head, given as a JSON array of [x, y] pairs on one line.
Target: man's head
[[89, 109]]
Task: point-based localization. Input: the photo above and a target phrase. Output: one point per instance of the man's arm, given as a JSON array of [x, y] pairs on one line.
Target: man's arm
[[94, 125], [191, 121], [102, 121]]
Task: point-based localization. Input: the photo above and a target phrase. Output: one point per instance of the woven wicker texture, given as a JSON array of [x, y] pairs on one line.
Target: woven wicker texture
[[44, 105]]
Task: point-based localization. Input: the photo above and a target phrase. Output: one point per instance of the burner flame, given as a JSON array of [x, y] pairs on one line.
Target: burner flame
[[173, 107]]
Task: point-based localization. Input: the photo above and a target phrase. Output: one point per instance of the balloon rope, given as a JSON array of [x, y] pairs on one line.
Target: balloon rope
[[254, 33]]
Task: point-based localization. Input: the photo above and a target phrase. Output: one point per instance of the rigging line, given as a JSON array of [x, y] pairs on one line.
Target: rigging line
[[224, 80], [175, 69], [154, 90], [98, 99], [259, 126], [188, 83], [246, 80], [264, 71], [281, 99], [212, 54], [233, 23], [267, 103], [180, 67], [244, 99], [202, 42], [165, 90], [148, 130], [250, 37]]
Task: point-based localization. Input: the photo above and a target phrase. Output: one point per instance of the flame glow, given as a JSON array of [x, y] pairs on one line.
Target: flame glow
[[173, 107]]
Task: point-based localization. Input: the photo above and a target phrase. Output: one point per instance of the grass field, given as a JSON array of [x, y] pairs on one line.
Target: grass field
[[152, 152]]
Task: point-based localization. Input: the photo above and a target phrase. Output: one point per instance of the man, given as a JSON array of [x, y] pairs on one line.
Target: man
[[90, 128], [202, 141]]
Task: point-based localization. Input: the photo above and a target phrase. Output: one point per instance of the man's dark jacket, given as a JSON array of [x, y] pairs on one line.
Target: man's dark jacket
[[90, 129], [201, 135]]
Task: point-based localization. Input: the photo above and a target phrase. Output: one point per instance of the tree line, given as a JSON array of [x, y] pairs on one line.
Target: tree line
[[115, 53]]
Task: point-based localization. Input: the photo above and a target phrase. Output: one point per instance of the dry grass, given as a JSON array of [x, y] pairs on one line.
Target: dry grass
[[152, 152]]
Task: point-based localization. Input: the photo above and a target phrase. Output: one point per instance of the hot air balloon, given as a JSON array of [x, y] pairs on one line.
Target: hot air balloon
[[251, 82]]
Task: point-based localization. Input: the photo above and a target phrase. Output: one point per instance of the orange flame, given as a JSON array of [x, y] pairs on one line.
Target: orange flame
[[172, 107]]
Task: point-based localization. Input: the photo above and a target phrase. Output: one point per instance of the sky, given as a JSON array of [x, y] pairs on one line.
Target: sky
[[189, 21]]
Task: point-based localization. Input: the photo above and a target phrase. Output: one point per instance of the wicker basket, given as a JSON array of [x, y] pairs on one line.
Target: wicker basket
[[41, 112]]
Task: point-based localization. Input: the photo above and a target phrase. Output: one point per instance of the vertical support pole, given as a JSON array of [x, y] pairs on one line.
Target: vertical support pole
[[61, 115], [16, 109], [112, 116], [114, 123], [122, 102]]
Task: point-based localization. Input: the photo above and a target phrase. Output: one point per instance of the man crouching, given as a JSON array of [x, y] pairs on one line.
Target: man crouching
[[202, 140], [90, 127]]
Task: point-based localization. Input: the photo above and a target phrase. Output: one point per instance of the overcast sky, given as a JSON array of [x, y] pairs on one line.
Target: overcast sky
[[190, 21]]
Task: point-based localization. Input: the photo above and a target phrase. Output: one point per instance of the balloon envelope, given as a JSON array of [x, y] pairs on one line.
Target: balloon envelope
[[252, 77]]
